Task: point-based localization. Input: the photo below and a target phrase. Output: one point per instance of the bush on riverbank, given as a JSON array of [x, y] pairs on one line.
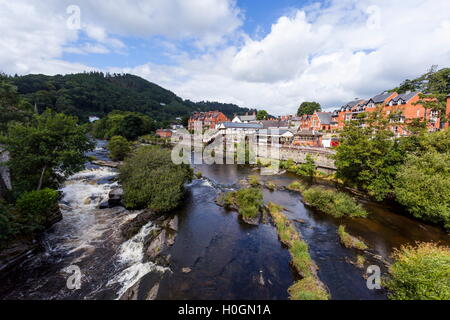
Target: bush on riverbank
[[349, 241], [309, 287], [118, 147], [296, 187], [33, 209], [151, 180], [337, 204], [423, 187], [254, 181], [247, 201], [271, 185], [420, 272]]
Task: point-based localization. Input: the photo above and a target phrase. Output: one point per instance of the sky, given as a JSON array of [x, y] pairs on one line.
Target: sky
[[270, 55]]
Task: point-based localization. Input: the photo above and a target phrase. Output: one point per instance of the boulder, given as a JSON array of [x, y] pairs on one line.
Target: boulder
[[115, 198]]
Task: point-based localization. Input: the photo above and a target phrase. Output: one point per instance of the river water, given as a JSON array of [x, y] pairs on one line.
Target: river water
[[215, 255]]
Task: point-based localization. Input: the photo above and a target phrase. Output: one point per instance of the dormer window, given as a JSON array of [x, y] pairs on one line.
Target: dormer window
[[391, 103]]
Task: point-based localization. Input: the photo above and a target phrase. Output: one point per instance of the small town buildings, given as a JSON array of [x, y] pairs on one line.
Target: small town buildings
[[164, 133], [208, 120], [321, 121], [308, 138], [233, 128], [247, 118]]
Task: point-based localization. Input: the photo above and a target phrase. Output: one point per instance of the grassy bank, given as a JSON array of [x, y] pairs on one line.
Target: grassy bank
[[337, 204], [349, 241], [309, 287]]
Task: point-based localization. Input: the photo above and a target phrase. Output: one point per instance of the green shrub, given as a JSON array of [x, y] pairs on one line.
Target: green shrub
[[297, 187], [423, 187], [349, 241], [271, 185], [118, 147], [420, 272], [249, 202], [151, 180], [254, 181], [198, 175], [307, 169], [34, 208], [337, 204]]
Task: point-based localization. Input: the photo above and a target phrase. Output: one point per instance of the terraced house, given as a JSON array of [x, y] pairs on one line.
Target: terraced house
[[209, 120], [402, 109]]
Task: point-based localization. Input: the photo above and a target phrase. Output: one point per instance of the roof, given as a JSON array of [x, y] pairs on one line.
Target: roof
[[277, 132], [405, 96], [233, 125], [381, 97], [324, 117], [309, 133], [354, 103], [247, 118], [274, 124]]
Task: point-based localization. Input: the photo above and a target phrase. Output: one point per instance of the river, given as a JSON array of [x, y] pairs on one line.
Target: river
[[215, 255]]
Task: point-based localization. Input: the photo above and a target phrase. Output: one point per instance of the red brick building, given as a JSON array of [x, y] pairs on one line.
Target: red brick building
[[164, 133], [209, 120], [448, 111]]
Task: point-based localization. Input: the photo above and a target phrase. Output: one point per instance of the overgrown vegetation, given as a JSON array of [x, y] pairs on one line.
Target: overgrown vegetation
[[129, 125], [247, 201], [423, 187], [271, 185], [337, 204], [309, 287], [254, 181], [349, 241], [420, 272], [413, 170], [43, 150], [118, 147], [297, 186], [307, 169], [151, 180]]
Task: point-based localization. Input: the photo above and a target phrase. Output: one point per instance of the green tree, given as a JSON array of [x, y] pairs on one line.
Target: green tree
[[307, 169], [12, 107], [262, 115], [151, 180], [368, 156], [423, 187], [308, 108], [46, 151], [118, 147]]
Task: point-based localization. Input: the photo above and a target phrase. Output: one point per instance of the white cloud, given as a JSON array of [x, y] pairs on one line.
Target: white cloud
[[330, 54]]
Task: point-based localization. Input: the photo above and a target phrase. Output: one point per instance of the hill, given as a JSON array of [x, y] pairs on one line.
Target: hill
[[97, 94]]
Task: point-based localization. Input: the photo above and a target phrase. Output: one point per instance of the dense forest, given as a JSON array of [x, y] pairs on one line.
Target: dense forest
[[97, 94]]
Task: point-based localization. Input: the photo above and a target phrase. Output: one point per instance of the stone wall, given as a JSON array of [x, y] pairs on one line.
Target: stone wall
[[321, 156]]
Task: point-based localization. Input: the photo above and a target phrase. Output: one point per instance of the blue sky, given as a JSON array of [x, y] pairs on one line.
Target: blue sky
[[258, 19], [264, 54]]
